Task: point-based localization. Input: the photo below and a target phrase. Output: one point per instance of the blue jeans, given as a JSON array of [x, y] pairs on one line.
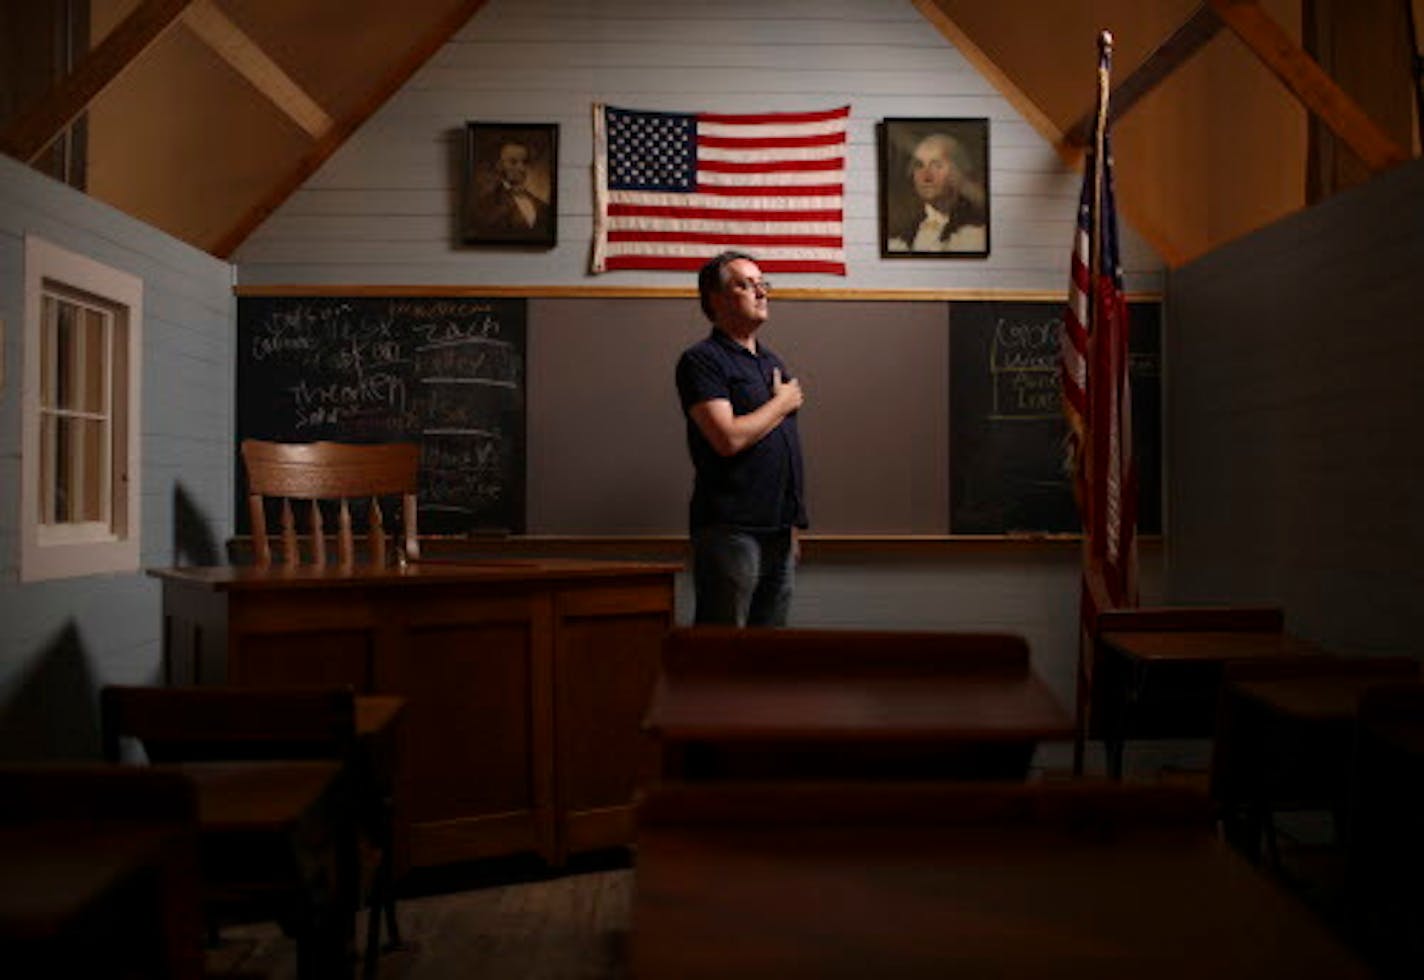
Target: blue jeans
[[742, 578]]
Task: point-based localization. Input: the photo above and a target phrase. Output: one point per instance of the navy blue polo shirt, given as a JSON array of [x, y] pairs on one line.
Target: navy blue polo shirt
[[759, 488]]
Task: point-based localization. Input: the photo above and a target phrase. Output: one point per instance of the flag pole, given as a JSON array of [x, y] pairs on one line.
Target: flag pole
[[1100, 130], [1085, 503]]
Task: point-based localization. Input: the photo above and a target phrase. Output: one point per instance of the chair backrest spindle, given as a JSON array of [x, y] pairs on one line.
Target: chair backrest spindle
[[289, 533], [377, 533], [340, 472]]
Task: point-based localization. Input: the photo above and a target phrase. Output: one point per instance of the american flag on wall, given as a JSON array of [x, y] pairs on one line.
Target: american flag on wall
[[1097, 397], [673, 189]]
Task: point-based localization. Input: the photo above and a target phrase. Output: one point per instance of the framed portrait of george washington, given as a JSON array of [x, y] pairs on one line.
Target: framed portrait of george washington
[[510, 184], [934, 188]]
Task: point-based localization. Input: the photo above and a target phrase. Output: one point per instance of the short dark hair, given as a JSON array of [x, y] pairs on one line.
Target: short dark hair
[[712, 278]]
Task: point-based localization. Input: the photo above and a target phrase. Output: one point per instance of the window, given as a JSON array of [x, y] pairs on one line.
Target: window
[[80, 466]]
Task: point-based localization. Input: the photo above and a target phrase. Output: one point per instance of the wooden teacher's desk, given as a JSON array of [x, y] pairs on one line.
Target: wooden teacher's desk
[[524, 680]]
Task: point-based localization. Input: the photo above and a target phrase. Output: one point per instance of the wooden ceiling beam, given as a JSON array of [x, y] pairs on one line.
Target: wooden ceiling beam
[[224, 245], [248, 59], [37, 127], [1300, 73], [1180, 45], [996, 77], [1156, 236]]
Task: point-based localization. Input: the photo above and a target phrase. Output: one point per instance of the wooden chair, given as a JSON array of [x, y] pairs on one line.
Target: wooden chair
[[199, 724], [1114, 706], [100, 872], [332, 472], [1285, 734]]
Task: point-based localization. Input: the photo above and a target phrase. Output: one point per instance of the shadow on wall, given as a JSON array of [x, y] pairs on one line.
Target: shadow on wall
[[193, 540], [53, 712]]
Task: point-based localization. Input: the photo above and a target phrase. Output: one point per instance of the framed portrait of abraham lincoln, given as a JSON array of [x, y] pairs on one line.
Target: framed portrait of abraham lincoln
[[510, 184], [934, 188]]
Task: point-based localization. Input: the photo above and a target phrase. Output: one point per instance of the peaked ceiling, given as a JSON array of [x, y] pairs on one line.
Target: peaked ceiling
[[202, 116]]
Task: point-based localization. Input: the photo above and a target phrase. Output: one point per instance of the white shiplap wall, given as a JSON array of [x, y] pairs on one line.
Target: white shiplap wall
[[60, 639], [381, 210]]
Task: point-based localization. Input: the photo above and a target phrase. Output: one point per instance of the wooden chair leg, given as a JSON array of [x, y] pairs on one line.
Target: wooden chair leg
[[1268, 831], [392, 924], [371, 960]]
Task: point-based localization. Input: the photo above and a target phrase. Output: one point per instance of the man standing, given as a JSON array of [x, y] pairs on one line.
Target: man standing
[[741, 406]]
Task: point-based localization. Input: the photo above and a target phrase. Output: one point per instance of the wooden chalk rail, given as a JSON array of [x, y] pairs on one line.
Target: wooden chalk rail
[[829, 548], [653, 292]]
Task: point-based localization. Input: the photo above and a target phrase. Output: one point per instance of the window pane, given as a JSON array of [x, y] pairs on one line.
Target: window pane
[[66, 338], [47, 441], [48, 311], [63, 461], [75, 470], [91, 470], [91, 393]]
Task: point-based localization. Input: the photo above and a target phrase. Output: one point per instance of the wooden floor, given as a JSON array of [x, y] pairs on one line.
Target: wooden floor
[[498, 923]]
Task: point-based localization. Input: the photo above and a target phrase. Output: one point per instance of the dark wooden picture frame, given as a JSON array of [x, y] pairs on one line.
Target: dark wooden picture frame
[[934, 188], [510, 184]]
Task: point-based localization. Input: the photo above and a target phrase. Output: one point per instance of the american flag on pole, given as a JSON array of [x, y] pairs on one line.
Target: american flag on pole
[[1097, 398], [673, 189]]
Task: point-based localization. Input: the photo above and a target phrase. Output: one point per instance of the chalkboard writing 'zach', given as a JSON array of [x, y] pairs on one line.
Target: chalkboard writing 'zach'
[[447, 373]]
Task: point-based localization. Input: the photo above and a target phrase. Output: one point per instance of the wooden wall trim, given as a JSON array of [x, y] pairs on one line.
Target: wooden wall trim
[[656, 292], [674, 547]]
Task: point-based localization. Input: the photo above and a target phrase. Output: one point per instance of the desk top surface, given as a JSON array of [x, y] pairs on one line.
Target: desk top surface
[[425, 572], [375, 713], [974, 706], [259, 795], [1207, 645], [917, 901], [55, 870], [1322, 697]]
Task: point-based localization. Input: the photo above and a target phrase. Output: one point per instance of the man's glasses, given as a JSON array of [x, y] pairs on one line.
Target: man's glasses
[[754, 285]]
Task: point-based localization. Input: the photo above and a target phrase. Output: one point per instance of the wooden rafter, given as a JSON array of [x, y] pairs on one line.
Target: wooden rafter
[[1300, 73], [1155, 236], [245, 57], [37, 127], [952, 33], [224, 245], [1180, 45]]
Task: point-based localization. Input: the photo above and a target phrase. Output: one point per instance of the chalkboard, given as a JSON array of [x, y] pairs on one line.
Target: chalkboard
[[447, 373], [1007, 431]]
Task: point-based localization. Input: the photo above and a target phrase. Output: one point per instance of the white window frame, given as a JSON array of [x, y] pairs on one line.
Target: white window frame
[[50, 551]]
